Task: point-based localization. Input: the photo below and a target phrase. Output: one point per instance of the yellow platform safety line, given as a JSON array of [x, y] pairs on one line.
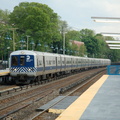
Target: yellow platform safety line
[[4, 73], [77, 108], [10, 88], [56, 111]]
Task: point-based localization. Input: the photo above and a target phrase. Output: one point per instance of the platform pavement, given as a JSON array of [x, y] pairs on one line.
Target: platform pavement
[[4, 72]]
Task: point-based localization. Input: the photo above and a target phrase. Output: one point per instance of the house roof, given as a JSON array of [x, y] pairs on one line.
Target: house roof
[[78, 43]]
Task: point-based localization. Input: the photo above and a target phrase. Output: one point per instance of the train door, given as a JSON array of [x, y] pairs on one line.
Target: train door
[[60, 62], [64, 63], [43, 63], [56, 63]]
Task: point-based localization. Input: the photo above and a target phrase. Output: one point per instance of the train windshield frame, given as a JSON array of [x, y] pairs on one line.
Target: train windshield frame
[[18, 60]]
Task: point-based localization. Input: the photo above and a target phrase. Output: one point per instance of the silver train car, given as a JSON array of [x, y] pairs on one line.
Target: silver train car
[[28, 66]]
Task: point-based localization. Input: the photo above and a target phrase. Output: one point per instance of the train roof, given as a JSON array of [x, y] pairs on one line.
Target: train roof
[[24, 52], [31, 52]]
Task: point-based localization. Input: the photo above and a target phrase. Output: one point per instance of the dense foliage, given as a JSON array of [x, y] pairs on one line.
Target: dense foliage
[[37, 27], [36, 20], [4, 34]]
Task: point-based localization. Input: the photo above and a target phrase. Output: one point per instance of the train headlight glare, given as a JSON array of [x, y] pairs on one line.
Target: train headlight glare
[[29, 69]]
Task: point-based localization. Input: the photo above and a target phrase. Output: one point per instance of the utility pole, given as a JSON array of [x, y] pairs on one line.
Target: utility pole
[[13, 29], [27, 41], [63, 42]]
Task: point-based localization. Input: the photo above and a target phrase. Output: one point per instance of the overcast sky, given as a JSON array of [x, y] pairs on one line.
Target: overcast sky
[[78, 13]]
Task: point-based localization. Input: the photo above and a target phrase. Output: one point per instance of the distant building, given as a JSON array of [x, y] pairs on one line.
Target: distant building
[[78, 43], [78, 47]]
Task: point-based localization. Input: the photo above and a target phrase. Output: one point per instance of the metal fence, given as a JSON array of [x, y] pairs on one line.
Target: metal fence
[[113, 69]]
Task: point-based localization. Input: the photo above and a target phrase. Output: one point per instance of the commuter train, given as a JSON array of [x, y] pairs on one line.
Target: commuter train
[[27, 66]]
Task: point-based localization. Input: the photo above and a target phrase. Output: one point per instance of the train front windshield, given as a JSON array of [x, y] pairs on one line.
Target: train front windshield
[[16, 59], [22, 60]]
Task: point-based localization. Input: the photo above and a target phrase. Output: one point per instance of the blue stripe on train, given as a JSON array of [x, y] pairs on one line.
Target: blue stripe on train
[[54, 67], [33, 69]]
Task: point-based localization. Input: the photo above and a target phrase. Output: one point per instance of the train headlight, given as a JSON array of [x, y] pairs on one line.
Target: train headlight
[[14, 69], [29, 69]]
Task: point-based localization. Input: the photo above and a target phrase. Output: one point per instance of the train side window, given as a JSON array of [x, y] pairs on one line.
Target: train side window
[[40, 62], [37, 62], [14, 60], [59, 62], [54, 62], [22, 60], [49, 62]]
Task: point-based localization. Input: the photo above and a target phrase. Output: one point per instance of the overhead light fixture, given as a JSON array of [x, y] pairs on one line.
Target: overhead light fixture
[[106, 19], [112, 41], [110, 34], [114, 45]]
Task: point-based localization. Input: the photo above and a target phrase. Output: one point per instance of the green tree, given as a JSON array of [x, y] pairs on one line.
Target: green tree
[[114, 55], [82, 51], [36, 20], [5, 34], [96, 45], [75, 35], [86, 33], [103, 49], [91, 43]]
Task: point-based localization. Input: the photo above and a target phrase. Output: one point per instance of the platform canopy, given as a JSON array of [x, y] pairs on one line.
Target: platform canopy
[[113, 44]]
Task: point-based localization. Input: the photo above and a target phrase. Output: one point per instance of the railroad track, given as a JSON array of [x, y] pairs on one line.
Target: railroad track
[[26, 99], [6, 90]]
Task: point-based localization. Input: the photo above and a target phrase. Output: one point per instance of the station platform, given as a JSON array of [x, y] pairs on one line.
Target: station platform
[[4, 72], [101, 101]]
